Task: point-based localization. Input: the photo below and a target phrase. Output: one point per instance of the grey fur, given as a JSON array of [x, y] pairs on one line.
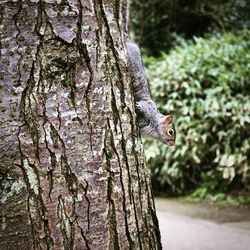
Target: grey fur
[[149, 118]]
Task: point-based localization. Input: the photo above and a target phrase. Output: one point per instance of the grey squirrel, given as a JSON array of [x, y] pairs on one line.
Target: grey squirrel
[[151, 122]]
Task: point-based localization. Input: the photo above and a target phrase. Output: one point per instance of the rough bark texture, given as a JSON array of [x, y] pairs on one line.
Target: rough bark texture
[[73, 173]]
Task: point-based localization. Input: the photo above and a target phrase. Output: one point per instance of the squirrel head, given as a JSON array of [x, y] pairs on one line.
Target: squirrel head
[[168, 130]]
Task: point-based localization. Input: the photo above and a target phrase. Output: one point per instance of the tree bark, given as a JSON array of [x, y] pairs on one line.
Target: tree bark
[[73, 173]]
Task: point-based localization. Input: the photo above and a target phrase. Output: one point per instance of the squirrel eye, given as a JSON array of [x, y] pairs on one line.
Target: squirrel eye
[[171, 132]]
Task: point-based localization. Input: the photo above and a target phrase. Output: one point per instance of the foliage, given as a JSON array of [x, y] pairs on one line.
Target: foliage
[[206, 85], [157, 25]]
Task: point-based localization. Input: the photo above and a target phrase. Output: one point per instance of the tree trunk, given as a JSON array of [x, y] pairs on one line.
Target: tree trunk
[[73, 172]]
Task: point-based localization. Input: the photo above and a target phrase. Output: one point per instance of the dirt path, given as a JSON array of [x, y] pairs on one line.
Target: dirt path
[[192, 227]]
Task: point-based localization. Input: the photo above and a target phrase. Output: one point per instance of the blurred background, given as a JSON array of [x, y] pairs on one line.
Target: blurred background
[[197, 56]]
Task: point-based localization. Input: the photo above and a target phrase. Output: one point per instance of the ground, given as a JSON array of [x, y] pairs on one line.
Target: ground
[[189, 226]]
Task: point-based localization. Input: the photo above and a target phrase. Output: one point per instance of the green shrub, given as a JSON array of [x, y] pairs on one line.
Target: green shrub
[[206, 85]]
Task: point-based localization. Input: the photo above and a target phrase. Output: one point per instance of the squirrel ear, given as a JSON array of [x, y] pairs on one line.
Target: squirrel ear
[[168, 119]]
